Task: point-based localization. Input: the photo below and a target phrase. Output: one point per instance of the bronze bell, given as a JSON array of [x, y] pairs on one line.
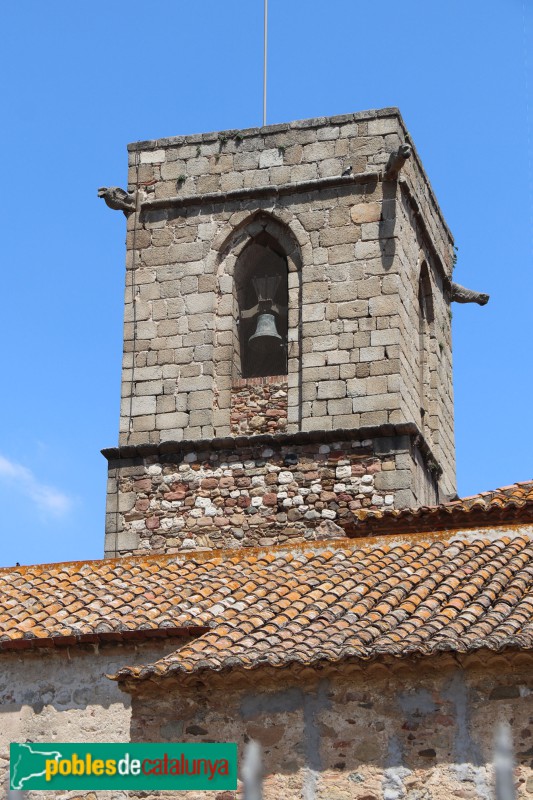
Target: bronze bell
[[266, 333]]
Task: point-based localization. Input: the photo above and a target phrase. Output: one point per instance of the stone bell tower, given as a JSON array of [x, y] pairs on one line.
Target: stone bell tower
[[287, 348]]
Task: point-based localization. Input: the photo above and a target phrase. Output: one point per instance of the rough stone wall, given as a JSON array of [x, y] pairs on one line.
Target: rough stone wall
[[258, 495], [258, 405], [346, 349], [397, 730], [64, 695]]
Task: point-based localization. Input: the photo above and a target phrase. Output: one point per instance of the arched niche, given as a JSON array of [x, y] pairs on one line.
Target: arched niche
[[259, 246]]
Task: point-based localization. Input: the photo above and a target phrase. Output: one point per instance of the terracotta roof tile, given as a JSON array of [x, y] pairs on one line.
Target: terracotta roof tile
[[326, 602], [299, 603], [509, 503]]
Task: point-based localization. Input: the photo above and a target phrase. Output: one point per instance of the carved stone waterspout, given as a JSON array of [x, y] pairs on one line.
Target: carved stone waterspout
[[117, 199], [461, 295], [396, 161]]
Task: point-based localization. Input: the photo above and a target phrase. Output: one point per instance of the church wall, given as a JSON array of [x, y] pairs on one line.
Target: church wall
[[257, 494], [63, 695], [398, 730]]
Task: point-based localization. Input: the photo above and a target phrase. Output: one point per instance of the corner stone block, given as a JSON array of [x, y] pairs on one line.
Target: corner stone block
[[127, 540], [382, 126], [387, 336], [152, 156], [395, 479], [404, 498], [126, 501], [383, 306], [142, 406]]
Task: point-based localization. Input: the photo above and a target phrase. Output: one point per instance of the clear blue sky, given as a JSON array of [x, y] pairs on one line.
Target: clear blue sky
[[82, 79]]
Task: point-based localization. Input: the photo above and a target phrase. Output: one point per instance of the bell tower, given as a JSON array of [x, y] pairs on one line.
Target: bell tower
[[287, 348]]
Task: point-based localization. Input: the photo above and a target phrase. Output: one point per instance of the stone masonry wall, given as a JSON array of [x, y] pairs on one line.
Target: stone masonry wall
[[437, 424], [258, 405], [399, 730], [254, 495], [62, 694], [342, 241], [353, 247]]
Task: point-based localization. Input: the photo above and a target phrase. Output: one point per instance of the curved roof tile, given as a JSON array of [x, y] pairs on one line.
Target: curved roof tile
[[301, 603]]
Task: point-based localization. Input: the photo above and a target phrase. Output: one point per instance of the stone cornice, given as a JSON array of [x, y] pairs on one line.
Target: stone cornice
[[165, 449], [245, 133], [316, 122]]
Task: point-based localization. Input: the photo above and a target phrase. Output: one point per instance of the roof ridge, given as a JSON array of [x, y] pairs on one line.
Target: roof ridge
[[503, 499]]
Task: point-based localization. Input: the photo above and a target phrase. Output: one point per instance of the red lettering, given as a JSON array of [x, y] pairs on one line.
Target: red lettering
[[175, 767], [146, 771], [223, 766]]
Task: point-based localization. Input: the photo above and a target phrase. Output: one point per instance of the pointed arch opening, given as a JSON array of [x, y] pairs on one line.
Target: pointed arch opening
[[259, 324]]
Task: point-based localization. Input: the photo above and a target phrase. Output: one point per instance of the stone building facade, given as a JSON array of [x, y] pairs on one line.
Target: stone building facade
[[362, 382]]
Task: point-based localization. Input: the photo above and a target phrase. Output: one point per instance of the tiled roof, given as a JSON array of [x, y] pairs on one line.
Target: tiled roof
[[508, 504], [307, 603], [335, 602], [114, 599]]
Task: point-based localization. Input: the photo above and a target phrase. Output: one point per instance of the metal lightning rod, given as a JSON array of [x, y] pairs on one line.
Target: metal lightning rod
[[265, 65]]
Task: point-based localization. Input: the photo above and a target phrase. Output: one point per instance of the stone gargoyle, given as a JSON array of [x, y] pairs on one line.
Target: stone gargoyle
[[117, 199], [461, 295], [396, 161]]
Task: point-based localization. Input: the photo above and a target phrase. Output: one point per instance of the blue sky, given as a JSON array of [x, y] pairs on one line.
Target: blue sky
[[82, 79]]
